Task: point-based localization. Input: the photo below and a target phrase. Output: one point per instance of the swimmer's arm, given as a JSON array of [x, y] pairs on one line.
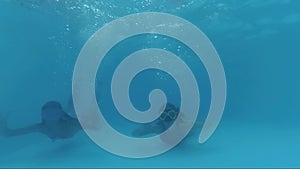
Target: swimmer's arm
[[146, 129], [7, 132]]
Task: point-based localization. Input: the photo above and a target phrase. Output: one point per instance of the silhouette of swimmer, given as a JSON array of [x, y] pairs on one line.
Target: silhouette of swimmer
[[55, 123], [164, 122], [166, 119]]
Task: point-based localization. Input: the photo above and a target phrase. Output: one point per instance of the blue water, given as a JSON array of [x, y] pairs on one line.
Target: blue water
[[257, 41]]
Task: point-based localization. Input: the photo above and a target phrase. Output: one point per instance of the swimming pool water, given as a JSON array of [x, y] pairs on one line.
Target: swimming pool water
[[257, 41]]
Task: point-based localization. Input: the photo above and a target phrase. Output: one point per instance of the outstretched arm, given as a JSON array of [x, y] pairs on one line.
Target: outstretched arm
[[22, 131], [7, 132]]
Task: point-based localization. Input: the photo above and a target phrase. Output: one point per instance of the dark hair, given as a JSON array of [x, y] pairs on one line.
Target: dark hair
[[51, 104]]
